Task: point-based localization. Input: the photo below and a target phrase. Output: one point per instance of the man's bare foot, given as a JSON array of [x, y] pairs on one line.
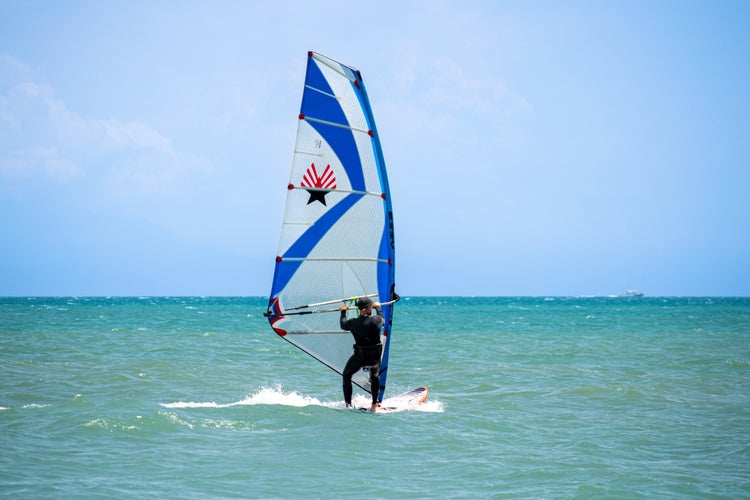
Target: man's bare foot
[[374, 407]]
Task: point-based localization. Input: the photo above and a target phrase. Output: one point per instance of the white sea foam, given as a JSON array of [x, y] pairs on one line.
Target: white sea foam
[[265, 396], [277, 396], [183, 404]]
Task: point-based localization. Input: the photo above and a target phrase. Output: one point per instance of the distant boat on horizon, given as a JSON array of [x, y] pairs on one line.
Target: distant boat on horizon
[[632, 293]]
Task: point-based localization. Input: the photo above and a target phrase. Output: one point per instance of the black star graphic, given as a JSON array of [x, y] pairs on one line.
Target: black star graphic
[[316, 195]]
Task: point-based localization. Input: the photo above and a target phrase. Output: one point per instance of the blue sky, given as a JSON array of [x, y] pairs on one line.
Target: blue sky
[[533, 148]]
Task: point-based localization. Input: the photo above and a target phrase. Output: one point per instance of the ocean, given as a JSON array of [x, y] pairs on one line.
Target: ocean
[[530, 397]]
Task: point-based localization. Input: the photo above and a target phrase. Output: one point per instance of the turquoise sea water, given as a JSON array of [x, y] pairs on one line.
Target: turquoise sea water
[[529, 398]]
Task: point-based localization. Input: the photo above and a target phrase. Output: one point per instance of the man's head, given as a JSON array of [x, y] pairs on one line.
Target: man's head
[[363, 303]]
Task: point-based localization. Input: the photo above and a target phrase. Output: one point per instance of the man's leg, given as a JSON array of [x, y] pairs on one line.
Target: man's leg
[[375, 384], [352, 366]]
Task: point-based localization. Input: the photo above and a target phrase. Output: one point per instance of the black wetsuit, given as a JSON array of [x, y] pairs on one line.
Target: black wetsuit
[[367, 351]]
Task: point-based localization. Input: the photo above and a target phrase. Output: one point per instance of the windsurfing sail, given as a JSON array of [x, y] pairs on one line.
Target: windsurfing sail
[[337, 233]]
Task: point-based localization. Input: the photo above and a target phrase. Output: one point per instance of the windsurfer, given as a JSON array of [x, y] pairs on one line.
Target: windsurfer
[[367, 348]]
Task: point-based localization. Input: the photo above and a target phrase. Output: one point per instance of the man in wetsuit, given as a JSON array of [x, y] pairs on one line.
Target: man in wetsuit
[[367, 348]]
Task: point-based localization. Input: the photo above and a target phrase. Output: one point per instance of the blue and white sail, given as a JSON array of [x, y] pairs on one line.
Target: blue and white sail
[[337, 233]]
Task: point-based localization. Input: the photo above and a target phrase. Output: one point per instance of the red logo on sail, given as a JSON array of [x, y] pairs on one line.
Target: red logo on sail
[[318, 185]]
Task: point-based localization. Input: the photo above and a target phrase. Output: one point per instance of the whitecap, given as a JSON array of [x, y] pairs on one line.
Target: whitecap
[[277, 396]]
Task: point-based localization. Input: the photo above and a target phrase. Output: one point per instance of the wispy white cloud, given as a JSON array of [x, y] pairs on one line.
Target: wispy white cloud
[[123, 168], [45, 161], [44, 138], [6, 116], [135, 135], [75, 129]]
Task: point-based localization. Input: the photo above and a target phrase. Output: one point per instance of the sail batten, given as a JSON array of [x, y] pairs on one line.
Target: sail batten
[[334, 259], [334, 124], [337, 233], [348, 191], [321, 91]]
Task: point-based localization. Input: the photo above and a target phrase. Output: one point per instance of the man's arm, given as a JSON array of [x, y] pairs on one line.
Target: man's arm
[[379, 319], [342, 319]]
